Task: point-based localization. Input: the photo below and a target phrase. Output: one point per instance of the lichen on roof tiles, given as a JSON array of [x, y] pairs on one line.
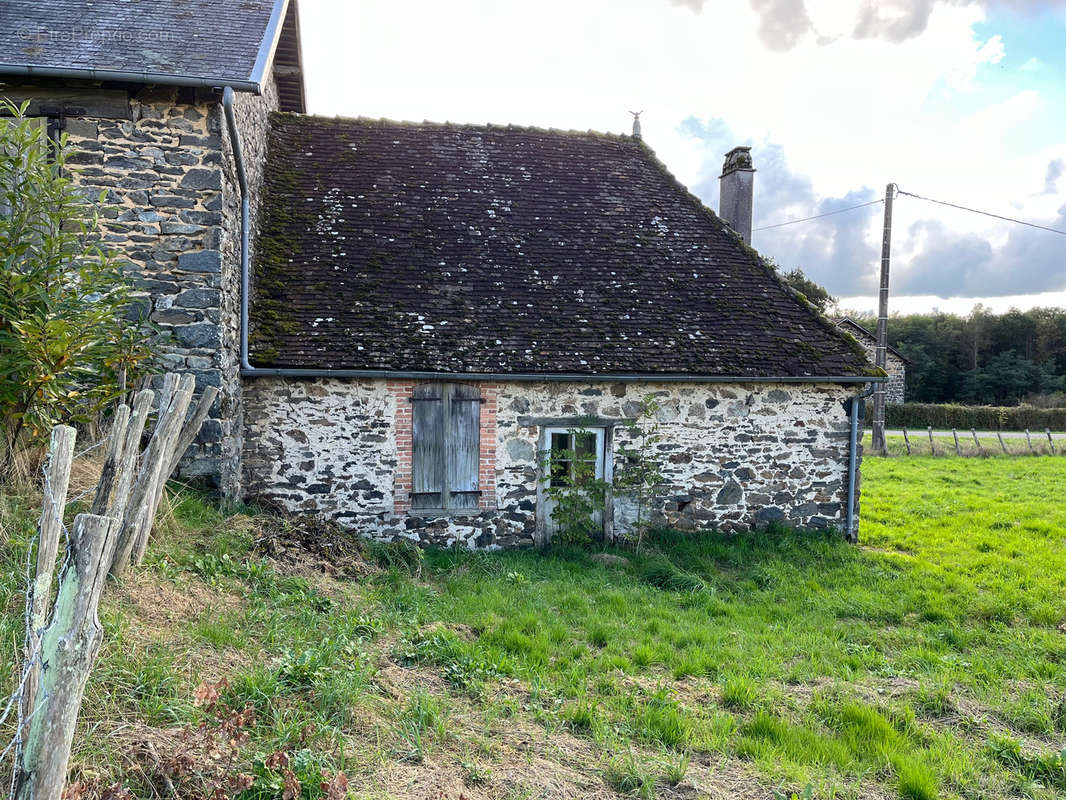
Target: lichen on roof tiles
[[376, 252]]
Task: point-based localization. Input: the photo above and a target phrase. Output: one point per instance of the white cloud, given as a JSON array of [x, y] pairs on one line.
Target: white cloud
[[851, 114]]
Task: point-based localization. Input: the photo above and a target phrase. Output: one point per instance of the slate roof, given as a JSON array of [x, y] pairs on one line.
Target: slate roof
[[469, 249], [190, 42]]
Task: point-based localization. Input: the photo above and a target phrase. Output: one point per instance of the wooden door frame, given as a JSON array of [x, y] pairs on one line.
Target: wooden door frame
[[542, 535]]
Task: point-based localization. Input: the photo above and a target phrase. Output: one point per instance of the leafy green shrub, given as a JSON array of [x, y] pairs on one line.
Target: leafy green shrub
[[66, 349]]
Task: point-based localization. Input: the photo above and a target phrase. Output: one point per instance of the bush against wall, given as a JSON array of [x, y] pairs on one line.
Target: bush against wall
[[65, 349], [944, 416]]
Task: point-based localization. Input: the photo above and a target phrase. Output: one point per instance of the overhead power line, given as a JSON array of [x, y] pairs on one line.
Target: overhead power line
[[818, 216], [983, 213]]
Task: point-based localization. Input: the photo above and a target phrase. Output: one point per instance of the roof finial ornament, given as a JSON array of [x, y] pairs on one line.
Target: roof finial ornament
[[636, 123]]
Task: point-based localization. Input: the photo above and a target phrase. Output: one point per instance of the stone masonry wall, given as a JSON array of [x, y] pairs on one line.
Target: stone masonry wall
[[735, 456], [896, 367], [174, 219], [253, 124]]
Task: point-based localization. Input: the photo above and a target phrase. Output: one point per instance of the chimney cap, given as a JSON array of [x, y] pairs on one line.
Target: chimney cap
[[739, 158]]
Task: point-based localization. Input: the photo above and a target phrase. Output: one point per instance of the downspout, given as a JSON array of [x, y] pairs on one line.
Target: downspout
[[853, 458], [242, 180]]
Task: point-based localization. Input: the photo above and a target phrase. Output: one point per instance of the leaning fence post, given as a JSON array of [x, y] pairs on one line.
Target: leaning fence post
[[999, 435], [116, 446], [56, 481], [1029, 441], [69, 646], [932, 447], [980, 450], [955, 433], [142, 496], [183, 396], [193, 425], [907, 441], [1050, 441]]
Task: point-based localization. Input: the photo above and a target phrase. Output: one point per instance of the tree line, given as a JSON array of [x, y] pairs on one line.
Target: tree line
[[984, 358]]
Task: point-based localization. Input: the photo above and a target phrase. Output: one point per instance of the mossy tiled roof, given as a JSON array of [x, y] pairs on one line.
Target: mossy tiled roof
[[482, 249]]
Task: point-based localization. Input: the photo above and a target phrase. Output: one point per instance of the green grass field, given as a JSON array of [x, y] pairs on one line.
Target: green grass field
[[928, 662]]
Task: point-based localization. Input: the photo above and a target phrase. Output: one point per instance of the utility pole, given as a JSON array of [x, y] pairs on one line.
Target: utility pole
[[878, 435]]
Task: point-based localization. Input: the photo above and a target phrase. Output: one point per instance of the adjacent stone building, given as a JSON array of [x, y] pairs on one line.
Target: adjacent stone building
[[137, 89], [433, 311], [895, 362]]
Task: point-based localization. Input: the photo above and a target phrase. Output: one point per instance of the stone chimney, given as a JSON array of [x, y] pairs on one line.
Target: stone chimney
[[736, 187]]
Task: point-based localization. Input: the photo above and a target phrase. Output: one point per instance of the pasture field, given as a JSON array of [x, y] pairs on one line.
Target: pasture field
[[927, 662]]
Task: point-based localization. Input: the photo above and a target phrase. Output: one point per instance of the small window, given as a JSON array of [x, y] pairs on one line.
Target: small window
[[446, 445], [575, 456]]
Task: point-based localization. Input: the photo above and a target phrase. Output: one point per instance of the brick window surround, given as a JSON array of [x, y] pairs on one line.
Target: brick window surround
[[401, 393]]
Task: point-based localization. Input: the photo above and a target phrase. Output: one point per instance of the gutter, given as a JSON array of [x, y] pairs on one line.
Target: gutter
[[128, 76], [851, 532], [292, 372]]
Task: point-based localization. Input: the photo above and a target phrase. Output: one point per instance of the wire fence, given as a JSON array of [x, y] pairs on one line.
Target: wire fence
[[972, 443]]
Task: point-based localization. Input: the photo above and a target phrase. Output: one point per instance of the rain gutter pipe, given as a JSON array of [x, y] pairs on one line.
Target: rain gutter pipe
[[853, 459]]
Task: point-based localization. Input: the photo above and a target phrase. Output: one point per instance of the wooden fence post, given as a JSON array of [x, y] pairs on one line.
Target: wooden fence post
[[932, 447], [907, 441], [1029, 441], [193, 425], [142, 496], [955, 433], [68, 645], [999, 435], [1050, 441], [980, 450], [176, 423], [57, 479], [115, 451]]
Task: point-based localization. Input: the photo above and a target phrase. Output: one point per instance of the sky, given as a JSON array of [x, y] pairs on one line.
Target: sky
[[956, 100]]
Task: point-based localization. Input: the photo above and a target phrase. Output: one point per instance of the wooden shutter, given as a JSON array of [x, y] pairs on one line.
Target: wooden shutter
[[462, 445], [427, 440]]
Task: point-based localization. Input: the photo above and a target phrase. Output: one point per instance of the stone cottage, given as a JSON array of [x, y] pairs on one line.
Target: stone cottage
[[406, 319], [895, 362]]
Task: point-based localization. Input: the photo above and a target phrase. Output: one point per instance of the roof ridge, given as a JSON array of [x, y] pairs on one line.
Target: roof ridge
[[449, 125]]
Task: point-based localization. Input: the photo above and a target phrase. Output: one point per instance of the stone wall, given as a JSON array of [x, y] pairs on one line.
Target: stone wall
[[174, 219], [735, 456], [253, 124], [896, 367]]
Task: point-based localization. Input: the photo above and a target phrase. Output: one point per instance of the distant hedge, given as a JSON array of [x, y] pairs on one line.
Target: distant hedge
[[945, 416]]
